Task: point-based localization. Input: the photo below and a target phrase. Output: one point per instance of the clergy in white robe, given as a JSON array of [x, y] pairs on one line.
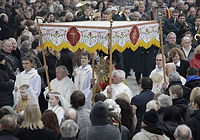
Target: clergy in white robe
[[82, 83], [118, 86], [157, 74], [30, 77], [62, 84]]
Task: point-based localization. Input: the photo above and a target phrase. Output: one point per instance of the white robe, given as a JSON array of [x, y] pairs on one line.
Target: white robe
[[82, 83], [117, 89], [64, 86], [31, 78], [156, 76], [59, 112]]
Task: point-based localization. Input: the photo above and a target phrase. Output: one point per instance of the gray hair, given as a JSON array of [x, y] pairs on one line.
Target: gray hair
[[63, 69], [172, 66], [185, 38], [120, 74], [174, 76], [70, 113], [183, 132], [164, 100], [171, 33], [69, 129], [3, 43]]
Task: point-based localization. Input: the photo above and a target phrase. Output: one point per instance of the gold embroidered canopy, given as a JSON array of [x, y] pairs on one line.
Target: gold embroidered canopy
[[93, 35]]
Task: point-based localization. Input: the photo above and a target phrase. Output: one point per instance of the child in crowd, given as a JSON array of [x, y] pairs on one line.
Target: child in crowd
[[58, 104], [82, 77], [27, 96]]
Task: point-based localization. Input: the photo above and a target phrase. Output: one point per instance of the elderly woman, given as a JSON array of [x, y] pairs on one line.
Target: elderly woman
[[177, 57], [195, 62], [187, 49]]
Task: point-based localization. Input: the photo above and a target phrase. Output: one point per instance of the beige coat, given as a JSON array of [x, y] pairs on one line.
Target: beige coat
[[145, 135]]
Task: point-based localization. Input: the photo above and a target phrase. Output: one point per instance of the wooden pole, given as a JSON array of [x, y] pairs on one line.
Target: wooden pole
[[44, 58], [110, 51], [93, 86], [161, 41]]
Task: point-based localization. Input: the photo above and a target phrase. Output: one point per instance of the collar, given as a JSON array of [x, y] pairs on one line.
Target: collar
[[30, 71], [85, 68], [187, 50], [157, 69], [178, 63], [35, 51]]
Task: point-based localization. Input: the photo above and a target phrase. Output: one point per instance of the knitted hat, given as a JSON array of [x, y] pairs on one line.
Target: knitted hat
[[2, 57], [150, 118]]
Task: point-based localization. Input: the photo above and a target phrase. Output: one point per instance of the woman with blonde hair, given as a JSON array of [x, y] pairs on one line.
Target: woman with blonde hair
[[195, 62], [177, 57], [32, 127], [195, 92]]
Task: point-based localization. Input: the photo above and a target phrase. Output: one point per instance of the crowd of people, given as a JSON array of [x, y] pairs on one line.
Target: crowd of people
[[66, 109]]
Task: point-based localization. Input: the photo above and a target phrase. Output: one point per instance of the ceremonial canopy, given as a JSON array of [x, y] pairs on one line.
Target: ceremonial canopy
[[93, 35]]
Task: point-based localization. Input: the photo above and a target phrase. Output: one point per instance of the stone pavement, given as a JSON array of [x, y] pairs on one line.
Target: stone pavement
[[133, 84]]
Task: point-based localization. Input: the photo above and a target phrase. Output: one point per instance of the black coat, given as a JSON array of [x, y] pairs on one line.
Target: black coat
[[194, 124], [140, 102], [186, 90], [5, 135], [39, 134], [4, 30], [182, 70], [66, 58], [167, 25], [6, 87]]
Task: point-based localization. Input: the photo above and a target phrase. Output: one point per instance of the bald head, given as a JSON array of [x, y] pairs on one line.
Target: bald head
[[169, 67], [183, 132], [71, 113]]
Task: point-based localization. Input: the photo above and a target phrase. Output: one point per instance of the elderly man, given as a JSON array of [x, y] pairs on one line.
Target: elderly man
[[169, 67], [61, 84], [118, 86], [171, 43], [11, 61], [157, 74], [183, 132], [69, 130], [174, 79]]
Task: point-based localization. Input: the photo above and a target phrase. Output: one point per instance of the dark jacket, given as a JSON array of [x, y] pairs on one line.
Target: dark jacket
[[186, 90], [140, 102], [39, 134], [5, 135], [167, 25], [179, 30], [4, 30], [192, 81], [68, 139], [194, 124], [11, 62], [66, 58], [169, 129], [100, 129], [6, 87], [182, 70]]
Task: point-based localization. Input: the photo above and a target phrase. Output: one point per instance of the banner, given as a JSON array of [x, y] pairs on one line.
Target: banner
[[93, 35]]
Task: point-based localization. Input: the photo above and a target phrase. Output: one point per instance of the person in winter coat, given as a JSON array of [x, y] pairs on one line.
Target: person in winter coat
[[149, 128], [100, 129], [194, 121], [6, 84]]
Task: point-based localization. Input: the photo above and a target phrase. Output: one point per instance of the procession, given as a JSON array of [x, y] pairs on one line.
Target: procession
[[93, 70]]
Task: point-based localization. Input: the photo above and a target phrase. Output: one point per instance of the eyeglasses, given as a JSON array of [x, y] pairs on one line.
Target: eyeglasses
[[158, 59]]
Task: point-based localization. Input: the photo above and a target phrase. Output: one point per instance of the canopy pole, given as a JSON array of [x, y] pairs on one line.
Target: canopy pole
[[161, 41], [44, 58], [110, 51], [93, 85]]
